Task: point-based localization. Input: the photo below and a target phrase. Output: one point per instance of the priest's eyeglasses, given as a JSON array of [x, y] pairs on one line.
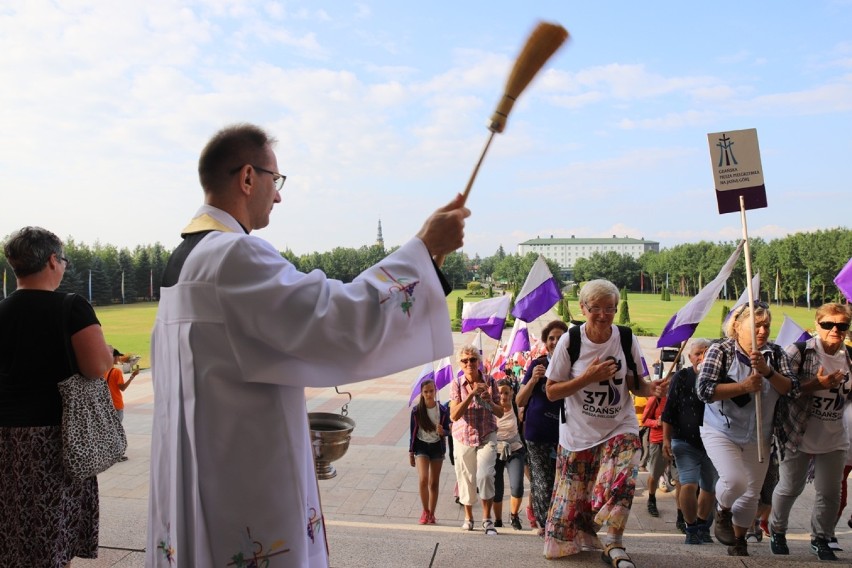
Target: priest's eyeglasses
[[279, 179]]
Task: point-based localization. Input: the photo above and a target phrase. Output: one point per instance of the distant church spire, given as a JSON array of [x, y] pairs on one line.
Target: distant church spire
[[380, 241]]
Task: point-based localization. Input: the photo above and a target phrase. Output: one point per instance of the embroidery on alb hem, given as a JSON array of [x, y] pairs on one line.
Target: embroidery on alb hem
[[258, 557]]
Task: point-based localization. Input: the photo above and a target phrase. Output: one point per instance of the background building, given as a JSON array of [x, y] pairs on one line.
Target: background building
[[565, 252]]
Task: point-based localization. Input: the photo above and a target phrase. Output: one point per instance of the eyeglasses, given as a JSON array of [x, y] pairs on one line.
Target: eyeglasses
[[827, 325], [470, 360], [65, 260], [598, 310], [279, 179], [757, 306]]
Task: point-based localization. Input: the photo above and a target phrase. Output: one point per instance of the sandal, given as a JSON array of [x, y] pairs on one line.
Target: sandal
[[467, 525], [488, 527], [615, 556]]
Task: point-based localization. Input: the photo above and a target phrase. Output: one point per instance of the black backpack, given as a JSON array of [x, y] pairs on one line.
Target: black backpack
[[625, 335]]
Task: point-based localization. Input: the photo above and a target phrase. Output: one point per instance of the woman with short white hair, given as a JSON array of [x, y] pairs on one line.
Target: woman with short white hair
[[594, 369]]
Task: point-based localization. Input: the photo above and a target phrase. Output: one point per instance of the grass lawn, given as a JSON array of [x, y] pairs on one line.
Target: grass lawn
[[128, 327], [652, 313]]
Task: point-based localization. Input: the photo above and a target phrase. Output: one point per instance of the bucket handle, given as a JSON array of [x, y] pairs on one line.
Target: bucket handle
[[345, 410]]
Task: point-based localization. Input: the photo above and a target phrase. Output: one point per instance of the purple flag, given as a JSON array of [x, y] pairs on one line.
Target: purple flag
[[683, 323], [426, 374], [441, 377], [844, 280], [790, 333], [519, 340], [487, 315], [539, 294]]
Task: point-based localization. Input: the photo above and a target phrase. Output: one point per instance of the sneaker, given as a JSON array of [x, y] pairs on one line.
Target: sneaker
[[739, 548], [652, 506], [778, 543], [488, 527], [432, 518], [680, 523], [819, 546], [724, 529], [498, 523], [515, 522], [704, 533], [424, 517], [467, 525], [834, 545], [849, 522], [693, 535]]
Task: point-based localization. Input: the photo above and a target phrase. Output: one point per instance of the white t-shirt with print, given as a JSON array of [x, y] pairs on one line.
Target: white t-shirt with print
[[600, 410], [826, 430]]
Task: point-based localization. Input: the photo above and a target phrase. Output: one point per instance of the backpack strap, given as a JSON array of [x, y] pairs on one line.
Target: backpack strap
[[626, 336], [574, 341], [800, 346]]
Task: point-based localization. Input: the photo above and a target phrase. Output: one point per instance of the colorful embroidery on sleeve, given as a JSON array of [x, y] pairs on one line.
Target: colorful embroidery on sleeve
[[401, 284]]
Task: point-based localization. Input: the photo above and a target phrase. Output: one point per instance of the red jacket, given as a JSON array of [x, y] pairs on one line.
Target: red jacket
[[651, 419]]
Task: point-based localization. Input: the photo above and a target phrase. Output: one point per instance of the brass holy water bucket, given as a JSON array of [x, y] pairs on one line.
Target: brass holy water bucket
[[330, 435]]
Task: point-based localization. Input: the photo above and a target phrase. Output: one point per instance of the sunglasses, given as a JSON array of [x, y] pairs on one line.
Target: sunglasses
[[827, 325], [466, 361]]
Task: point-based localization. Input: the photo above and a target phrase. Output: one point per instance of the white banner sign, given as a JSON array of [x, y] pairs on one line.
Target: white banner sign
[[735, 159]]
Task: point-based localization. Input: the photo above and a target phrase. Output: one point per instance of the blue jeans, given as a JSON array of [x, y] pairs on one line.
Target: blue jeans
[[694, 466]]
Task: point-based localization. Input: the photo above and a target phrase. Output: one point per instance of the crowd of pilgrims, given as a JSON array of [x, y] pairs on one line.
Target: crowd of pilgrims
[[580, 420]]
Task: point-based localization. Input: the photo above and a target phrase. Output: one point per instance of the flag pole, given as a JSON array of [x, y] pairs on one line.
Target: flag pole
[[677, 358], [758, 411]]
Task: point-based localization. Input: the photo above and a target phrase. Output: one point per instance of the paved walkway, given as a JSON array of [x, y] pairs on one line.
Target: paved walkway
[[372, 505]]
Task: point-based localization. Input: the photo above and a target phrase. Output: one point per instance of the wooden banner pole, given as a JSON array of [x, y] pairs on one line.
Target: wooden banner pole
[[758, 411]]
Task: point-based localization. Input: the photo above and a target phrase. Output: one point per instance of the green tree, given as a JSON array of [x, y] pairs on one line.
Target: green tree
[[566, 311], [101, 289], [455, 270], [459, 307], [624, 313], [620, 269]]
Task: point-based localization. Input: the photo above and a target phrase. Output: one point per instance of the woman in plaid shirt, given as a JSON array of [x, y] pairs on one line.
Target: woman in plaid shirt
[[733, 370]]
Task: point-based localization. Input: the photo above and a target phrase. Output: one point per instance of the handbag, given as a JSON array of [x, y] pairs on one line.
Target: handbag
[[93, 437]]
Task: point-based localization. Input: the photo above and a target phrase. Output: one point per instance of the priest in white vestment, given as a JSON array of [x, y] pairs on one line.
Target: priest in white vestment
[[239, 334]]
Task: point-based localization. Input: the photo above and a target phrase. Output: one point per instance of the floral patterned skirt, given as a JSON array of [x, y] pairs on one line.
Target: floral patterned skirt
[[46, 518], [593, 488]]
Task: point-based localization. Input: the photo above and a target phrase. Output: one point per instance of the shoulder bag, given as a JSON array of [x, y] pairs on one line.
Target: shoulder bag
[[93, 438]]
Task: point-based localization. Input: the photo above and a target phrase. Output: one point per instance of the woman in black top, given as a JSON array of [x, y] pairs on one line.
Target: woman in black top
[[46, 518]]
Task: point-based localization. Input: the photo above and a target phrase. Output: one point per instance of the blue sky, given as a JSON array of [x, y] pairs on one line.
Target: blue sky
[[380, 110]]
